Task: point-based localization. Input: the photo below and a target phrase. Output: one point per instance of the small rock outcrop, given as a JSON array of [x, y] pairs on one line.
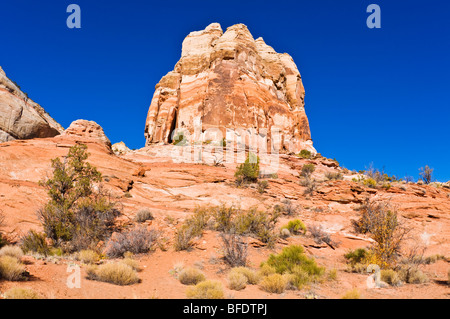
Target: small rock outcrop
[[87, 131], [20, 117], [230, 81]]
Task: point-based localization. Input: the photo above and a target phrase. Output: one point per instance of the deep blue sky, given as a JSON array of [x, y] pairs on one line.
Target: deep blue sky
[[372, 96]]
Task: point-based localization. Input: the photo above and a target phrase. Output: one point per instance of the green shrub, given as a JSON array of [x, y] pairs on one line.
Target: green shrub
[[305, 154], [292, 260], [307, 170], [21, 293], [114, 273], [295, 227], [35, 242], [248, 171], [356, 256], [262, 186], [191, 276], [206, 290]]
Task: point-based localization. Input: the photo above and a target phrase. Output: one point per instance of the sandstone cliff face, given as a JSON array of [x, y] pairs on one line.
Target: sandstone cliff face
[[20, 117], [230, 81], [87, 131]]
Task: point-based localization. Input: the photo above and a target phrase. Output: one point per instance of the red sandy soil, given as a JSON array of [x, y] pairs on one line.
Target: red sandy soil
[[171, 191]]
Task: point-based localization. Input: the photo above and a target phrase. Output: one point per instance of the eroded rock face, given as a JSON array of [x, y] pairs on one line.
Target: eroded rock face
[[230, 81], [20, 117], [87, 131]]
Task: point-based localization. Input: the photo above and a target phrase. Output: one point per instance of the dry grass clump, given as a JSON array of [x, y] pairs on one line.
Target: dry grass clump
[[11, 269], [143, 215], [129, 261], [116, 273], [88, 256], [21, 293], [352, 294], [274, 283], [206, 290], [12, 251], [191, 276], [390, 277], [251, 275], [237, 281]]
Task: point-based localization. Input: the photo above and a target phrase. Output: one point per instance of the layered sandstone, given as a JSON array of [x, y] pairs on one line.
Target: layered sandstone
[[87, 131], [231, 82], [20, 117]]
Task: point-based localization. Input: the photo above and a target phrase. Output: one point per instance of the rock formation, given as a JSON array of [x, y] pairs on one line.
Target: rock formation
[[86, 131], [230, 81], [20, 117]]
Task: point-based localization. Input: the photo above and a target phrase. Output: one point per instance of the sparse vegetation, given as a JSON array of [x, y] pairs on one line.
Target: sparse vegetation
[[321, 236], [88, 256], [334, 176], [352, 294], [77, 215], [115, 273], [35, 242], [21, 293], [137, 241], [251, 275], [274, 283], [390, 277], [305, 154], [295, 227], [248, 171], [426, 174], [262, 186], [235, 250], [191, 276], [11, 269], [143, 215], [237, 281], [206, 290], [12, 251]]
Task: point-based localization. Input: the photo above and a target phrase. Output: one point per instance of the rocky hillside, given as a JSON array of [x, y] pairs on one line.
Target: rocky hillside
[[229, 80], [20, 117]]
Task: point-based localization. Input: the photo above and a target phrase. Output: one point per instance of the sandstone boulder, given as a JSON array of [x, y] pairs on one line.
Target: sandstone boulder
[[86, 131], [230, 82], [20, 117]]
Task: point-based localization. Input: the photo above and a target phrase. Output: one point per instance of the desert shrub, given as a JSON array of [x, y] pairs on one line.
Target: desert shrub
[[193, 227], [183, 238], [357, 256], [3, 241], [11, 269], [235, 250], [332, 274], [286, 207], [332, 176], [426, 174], [390, 277], [321, 236], [292, 260], [206, 290], [137, 241], [305, 154], [21, 293], [248, 171], [143, 215], [379, 219], [191, 276], [285, 233], [129, 261], [88, 256], [13, 251], [258, 224], [295, 227], [274, 283], [115, 273], [223, 217], [352, 294], [237, 281], [411, 275], [262, 186], [370, 182], [76, 213], [266, 270], [251, 275], [35, 242], [307, 170]]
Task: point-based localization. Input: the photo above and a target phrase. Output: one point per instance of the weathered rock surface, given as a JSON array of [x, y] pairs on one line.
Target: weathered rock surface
[[87, 131], [20, 117], [120, 148], [231, 81]]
